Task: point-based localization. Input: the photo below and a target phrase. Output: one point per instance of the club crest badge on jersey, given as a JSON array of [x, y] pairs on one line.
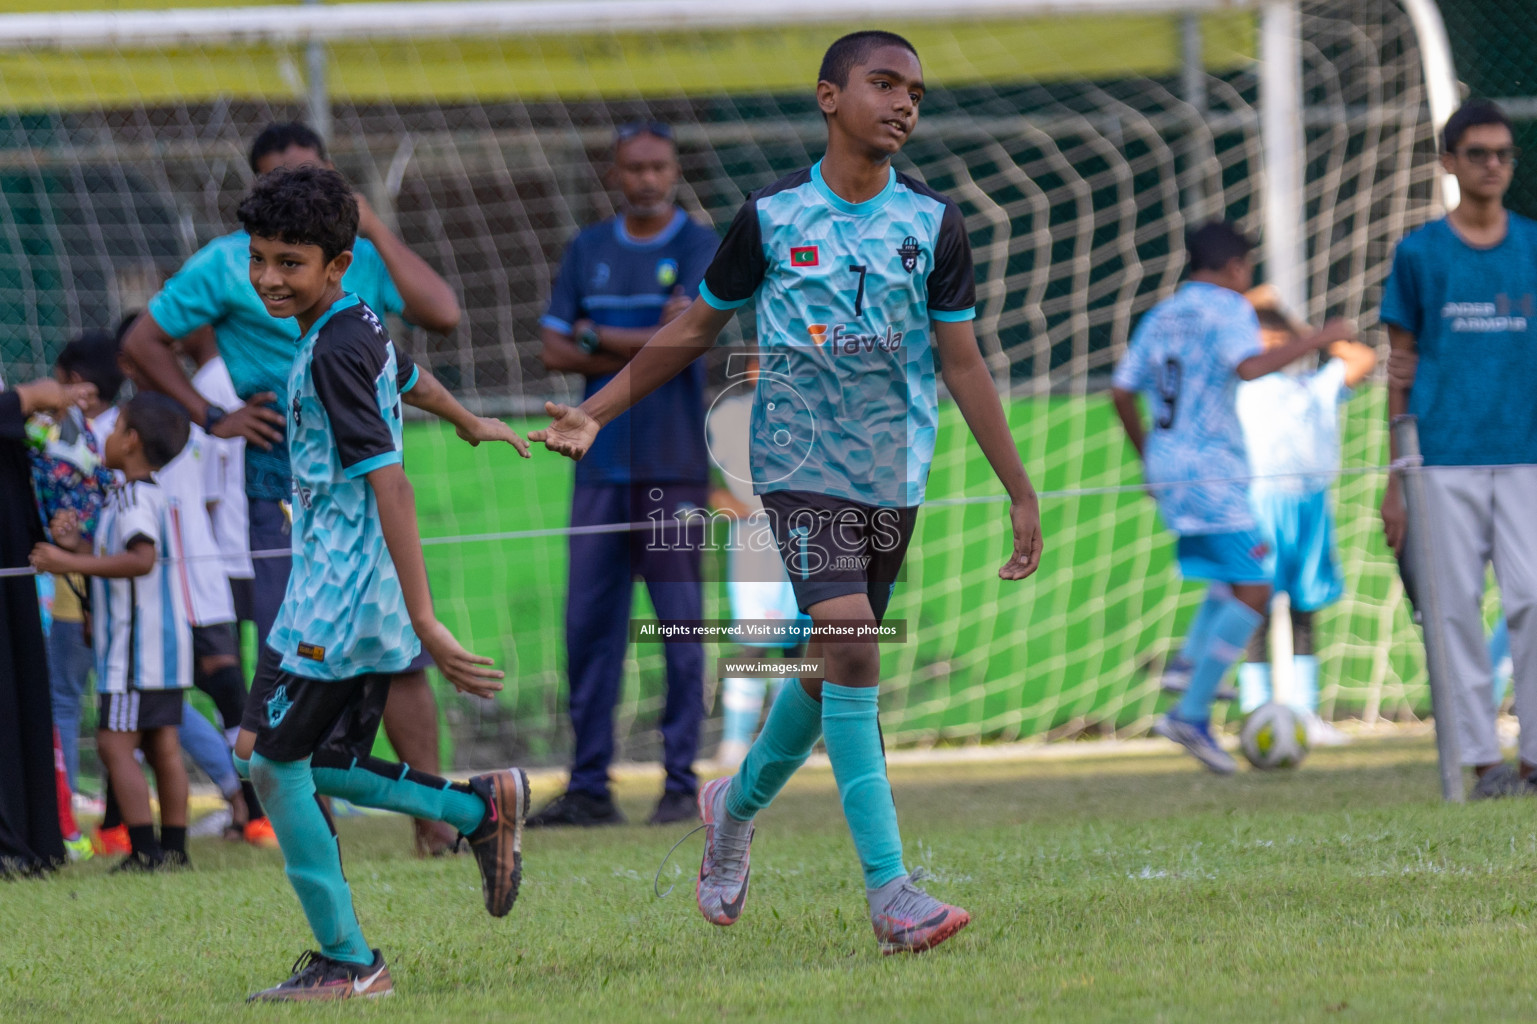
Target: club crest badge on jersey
[[277, 706], [667, 273], [298, 420], [909, 252], [600, 275]]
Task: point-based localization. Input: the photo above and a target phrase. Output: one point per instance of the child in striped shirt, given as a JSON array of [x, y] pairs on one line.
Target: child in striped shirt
[[142, 637]]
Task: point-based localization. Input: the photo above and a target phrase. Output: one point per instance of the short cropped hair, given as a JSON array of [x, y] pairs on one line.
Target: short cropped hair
[[281, 137], [1470, 115], [161, 423], [1214, 245], [847, 53], [302, 206], [93, 357]]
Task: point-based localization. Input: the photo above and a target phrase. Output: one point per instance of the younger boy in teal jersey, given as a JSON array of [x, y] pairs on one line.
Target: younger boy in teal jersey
[[862, 275], [357, 597]]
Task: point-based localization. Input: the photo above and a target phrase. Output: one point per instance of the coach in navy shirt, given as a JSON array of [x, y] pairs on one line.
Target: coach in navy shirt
[[620, 280]]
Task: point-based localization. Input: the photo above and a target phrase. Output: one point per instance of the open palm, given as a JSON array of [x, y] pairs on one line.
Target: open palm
[[571, 431]]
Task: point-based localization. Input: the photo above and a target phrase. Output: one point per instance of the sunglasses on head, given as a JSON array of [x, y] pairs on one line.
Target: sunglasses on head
[[629, 130], [1502, 154]]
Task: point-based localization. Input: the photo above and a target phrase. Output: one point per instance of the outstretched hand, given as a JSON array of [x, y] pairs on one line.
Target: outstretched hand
[[1025, 518], [470, 673], [486, 428], [570, 433]]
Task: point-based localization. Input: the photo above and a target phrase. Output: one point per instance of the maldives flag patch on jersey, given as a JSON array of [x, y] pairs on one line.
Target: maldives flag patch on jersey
[[803, 256]]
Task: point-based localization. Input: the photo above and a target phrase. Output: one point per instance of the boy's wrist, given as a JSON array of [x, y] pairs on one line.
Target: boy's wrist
[[594, 412], [1023, 494]]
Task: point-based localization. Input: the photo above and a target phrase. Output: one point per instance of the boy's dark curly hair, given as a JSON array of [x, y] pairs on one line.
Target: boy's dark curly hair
[[302, 206]]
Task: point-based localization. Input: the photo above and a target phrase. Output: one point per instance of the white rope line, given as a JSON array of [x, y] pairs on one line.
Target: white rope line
[[706, 516]]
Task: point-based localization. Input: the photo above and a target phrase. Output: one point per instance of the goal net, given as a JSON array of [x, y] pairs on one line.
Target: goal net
[[1079, 144]]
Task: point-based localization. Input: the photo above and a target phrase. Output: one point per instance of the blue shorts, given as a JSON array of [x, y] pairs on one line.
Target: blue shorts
[[1300, 530], [1238, 557]]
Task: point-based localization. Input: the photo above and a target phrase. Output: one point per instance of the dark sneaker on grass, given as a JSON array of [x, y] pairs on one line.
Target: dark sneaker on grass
[[498, 842], [318, 978], [1500, 781], [724, 870], [578, 810], [673, 808], [908, 920], [136, 863], [1197, 740]]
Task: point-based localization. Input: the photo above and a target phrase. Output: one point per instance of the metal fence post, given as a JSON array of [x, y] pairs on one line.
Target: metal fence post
[[1411, 474]]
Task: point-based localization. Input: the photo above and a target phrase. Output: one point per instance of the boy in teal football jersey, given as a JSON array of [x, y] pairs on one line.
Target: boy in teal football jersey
[[357, 598], [862, 275]]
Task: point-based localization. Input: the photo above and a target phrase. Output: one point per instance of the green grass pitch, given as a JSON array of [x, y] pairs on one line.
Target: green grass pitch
[[1103, 888]]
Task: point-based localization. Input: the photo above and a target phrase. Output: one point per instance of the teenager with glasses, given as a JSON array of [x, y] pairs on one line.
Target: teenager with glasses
[[1461, 313]]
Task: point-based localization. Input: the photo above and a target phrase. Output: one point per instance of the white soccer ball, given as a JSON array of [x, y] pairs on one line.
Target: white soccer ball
[[1274, 736]]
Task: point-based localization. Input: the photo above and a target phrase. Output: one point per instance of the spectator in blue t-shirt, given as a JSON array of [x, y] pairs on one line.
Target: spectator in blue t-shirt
[[1462, 302], [620, 280], [213, 289]]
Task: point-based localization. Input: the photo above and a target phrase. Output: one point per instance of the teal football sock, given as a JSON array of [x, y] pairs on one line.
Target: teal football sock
[[242, 766], [1231, 628], [1253, 685], [311, 856], [851, 729], [370, 782], [793, 727], [1200, 627]]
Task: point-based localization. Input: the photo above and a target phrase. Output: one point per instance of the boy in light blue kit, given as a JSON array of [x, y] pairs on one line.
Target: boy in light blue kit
[[357, 598], [862, 276], [1188, 355], [1291, 426]]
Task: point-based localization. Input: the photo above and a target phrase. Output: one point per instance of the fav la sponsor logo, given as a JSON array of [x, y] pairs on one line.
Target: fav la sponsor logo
[[846, 341], [803, 256]]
